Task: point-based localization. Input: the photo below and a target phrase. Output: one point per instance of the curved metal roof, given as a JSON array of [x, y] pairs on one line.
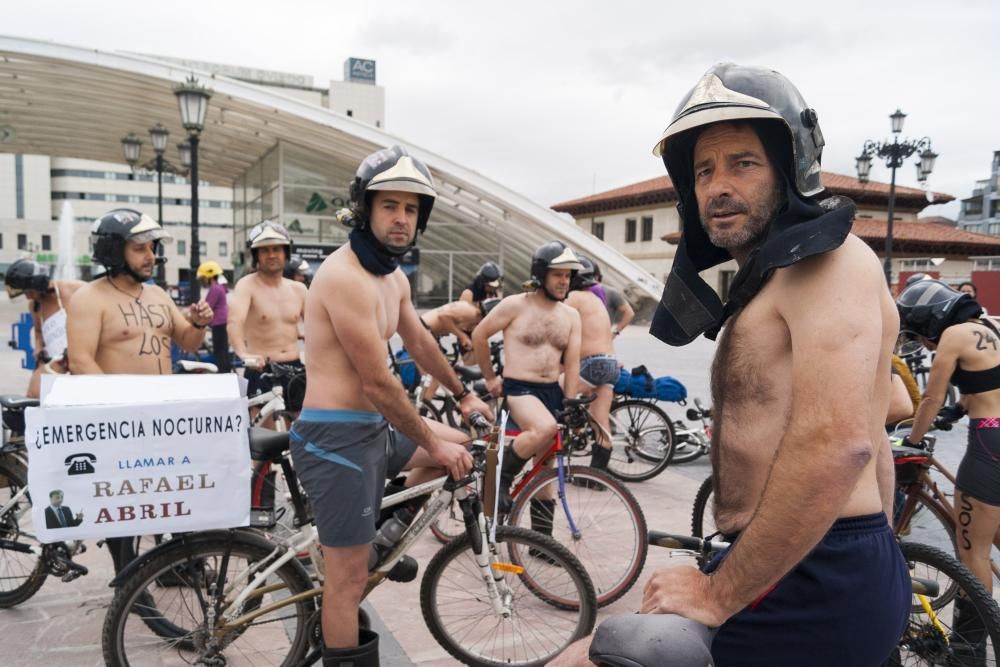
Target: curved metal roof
[[74, 102]]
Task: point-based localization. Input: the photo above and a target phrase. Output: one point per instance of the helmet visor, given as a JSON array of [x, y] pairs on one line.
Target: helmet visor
[[14, 292], [157, 234], [268, 233]]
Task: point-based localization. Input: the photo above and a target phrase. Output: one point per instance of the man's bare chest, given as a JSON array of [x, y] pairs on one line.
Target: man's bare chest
[[147, 327], [275, 307], [753, 362], [534, 329]]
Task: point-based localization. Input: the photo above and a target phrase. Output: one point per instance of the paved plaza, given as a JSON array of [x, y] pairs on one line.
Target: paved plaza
[[61, 624]]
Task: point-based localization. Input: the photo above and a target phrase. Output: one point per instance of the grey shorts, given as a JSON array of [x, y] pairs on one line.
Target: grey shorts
[[341, 458], [598, 369], [401, 448]]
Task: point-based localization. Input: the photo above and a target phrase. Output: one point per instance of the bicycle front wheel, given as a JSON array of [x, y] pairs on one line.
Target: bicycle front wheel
[[960, 627], [595, 517], [21, 574], [464, 618], [185, 588]]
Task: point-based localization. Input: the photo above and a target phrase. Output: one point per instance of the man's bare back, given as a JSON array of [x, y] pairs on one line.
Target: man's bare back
[[333, 380], [536, 336], [264, 317], [595, 324], [51, 303], [752, 382], [128, 333], [462, 315]]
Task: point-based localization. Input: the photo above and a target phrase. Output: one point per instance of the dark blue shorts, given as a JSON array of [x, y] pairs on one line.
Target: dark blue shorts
[[549, 393], [846, 603]]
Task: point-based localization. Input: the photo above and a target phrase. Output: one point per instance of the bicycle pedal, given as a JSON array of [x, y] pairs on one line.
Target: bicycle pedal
[[403, 571]]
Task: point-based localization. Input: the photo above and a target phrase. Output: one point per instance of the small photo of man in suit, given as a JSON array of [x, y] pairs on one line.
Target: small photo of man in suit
[[57, 516]]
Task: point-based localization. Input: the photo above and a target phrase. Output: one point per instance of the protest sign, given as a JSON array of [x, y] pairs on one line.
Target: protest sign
[[113, 456]]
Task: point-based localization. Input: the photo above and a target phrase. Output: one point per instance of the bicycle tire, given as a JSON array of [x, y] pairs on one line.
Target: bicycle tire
[[26, 569], [923, 643], [449, 524], [701, 512], [608, 517], [642, 441], [453, 573], [430, 411], [929, 524], [126, 622], [686, 451]]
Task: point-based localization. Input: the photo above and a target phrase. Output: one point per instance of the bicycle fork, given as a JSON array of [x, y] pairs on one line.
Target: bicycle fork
[[561, 471], [485, 552]]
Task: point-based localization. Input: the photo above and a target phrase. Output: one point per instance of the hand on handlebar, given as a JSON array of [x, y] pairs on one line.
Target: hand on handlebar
[[452, 456], [253, 362], [948, 415], [473, 404], [495, 386], [920, 444], [682, 590]]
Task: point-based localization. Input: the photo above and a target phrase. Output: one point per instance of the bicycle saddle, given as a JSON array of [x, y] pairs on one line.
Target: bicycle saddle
[[17, 402], [197, 366], [468, 374], [651, 640], [267, 445]]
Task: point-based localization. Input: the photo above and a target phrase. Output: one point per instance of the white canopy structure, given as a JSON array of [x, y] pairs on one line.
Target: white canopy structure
[[67, 101]]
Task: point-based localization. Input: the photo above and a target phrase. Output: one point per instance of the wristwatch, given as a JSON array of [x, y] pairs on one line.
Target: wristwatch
[[462, 394]]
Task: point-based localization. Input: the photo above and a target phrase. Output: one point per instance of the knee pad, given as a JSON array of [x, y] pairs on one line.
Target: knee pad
[[648, 640]]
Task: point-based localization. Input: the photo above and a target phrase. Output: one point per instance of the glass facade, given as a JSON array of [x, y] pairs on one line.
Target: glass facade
[[303, 188]]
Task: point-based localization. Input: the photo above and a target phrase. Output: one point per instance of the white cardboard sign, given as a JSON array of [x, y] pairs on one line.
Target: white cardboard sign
[[114, 469]]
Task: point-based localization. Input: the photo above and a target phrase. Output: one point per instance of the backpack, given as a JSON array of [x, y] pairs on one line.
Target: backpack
[[407, 370], [639, 383]]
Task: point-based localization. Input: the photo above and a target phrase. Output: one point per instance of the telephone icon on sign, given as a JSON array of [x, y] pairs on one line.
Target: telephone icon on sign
[[81, 464]]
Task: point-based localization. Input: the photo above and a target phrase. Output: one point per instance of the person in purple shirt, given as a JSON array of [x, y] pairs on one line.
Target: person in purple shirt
[[208, 274]]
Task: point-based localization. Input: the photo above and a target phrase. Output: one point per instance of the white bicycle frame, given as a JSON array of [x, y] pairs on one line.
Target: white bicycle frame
[[307, 539], [273, 401]]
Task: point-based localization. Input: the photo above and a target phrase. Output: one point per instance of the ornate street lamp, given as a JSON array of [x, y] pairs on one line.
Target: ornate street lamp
[[132, 146], [894, 153], [192, 99]]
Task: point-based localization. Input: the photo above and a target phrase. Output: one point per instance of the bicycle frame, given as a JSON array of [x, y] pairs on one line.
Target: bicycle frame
[[557, 451], [925, 487]]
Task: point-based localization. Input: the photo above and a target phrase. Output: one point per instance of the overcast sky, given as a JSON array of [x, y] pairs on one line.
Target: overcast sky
[[559, 99]]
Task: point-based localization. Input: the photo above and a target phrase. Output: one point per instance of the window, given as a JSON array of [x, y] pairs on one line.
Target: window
[[378, 123], [647, 229], [350, 113], [202, 248], [22, 241], [46, 242], [1, 241], [182, 248], [630, 230], [916, 264], [223, 249], [986, 263], [597, 229]]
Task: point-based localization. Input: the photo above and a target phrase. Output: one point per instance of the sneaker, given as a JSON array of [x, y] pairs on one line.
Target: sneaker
[[543, 556], [587, 483]]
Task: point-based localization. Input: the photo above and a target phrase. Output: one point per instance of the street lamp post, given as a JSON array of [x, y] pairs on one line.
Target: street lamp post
[[894, 153], [192, 98], [132, 146]]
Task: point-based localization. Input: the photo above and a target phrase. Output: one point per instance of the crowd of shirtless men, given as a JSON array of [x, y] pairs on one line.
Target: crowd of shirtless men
[[803, 473]]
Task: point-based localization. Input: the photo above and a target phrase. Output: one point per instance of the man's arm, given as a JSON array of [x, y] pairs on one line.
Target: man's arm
[[239, 306], [425, 351], [625, 315], [571, 358], [498, 320], [36, 328], [449, 317], [83, 334]]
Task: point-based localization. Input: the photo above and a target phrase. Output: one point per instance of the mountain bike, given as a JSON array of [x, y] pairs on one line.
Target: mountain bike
[[587, 510], [247, 598]]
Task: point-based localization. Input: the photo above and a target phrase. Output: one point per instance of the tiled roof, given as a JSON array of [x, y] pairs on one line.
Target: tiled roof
[[913, 237], [660, 190]]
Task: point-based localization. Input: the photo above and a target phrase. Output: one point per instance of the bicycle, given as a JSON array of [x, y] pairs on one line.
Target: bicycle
[[247, 596], [25, 563], [917, 360], [932, 635], [597, 515]]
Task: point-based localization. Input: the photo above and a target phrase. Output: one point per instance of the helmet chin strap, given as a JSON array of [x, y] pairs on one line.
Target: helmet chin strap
[[395, 252]]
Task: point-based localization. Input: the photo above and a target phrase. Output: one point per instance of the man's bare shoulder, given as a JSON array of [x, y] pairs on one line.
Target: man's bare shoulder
[[155, 293], [853, 265], [568, 311], [299, 288], [92, 292], [341, 270], [246, 283]]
